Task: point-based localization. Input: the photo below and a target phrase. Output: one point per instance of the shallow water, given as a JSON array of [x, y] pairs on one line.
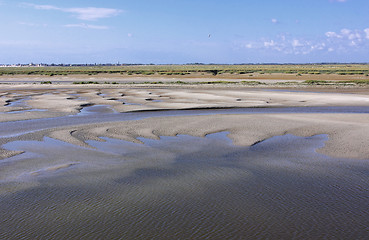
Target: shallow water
[[96, 109], [19, 102], [20, 105], [183, 188], [100, 114]]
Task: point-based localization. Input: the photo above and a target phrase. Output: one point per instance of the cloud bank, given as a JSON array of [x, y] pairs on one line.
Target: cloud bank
[[86, 26], [343, 41], [88, 13]]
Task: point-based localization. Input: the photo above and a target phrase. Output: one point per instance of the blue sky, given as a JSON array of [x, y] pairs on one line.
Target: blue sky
[[188, 31]]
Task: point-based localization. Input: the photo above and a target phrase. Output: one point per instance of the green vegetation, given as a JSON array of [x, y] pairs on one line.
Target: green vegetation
[[360, 82], [322, 82], [217, 82], [307, 82], [230, 73], [89, 82], [252, 83], [206, 69], [316, 82]]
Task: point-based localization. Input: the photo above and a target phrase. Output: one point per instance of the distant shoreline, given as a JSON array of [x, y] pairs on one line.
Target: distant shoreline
[[290, 76], [265, 81]]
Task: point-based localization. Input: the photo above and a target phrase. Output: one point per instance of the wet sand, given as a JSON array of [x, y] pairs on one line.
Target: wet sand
[[129, 162], [183, 187], [347, 132]]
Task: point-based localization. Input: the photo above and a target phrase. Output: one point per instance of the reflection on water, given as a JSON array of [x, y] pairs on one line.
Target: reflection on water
[[183, 188], [94, 109], [18, 102], [19, 105]]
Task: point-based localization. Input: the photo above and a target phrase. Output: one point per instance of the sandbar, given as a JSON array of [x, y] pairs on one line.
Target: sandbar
[[347, 132]]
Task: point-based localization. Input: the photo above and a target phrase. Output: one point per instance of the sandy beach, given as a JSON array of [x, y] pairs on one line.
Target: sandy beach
[[347, 132]]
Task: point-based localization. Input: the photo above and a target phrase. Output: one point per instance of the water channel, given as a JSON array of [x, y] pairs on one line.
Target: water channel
[[182, 187]]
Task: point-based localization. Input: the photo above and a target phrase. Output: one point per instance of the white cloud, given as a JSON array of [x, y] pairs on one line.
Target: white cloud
[[319, 46], [288, 45], [44, 7], [366, 33], [86, 26], [249, 45], [333, 35], [270, 43], [92, 13], [355, 36], [130, 35], [296, 43], [274, 20], [345, 31], [348, 37], [346, 40], [88, 13]]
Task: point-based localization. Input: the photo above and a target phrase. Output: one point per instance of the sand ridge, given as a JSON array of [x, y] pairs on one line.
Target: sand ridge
[[44, 103], [347, 132]]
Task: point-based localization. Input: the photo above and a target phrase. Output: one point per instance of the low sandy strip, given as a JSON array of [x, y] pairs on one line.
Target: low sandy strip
[[348, 133], [34, 103]]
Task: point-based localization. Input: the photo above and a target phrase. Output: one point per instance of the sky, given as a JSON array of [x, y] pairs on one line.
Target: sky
[[187, 31]]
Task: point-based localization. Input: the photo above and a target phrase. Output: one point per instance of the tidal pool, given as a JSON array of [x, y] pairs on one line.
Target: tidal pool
[[182, 188]]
